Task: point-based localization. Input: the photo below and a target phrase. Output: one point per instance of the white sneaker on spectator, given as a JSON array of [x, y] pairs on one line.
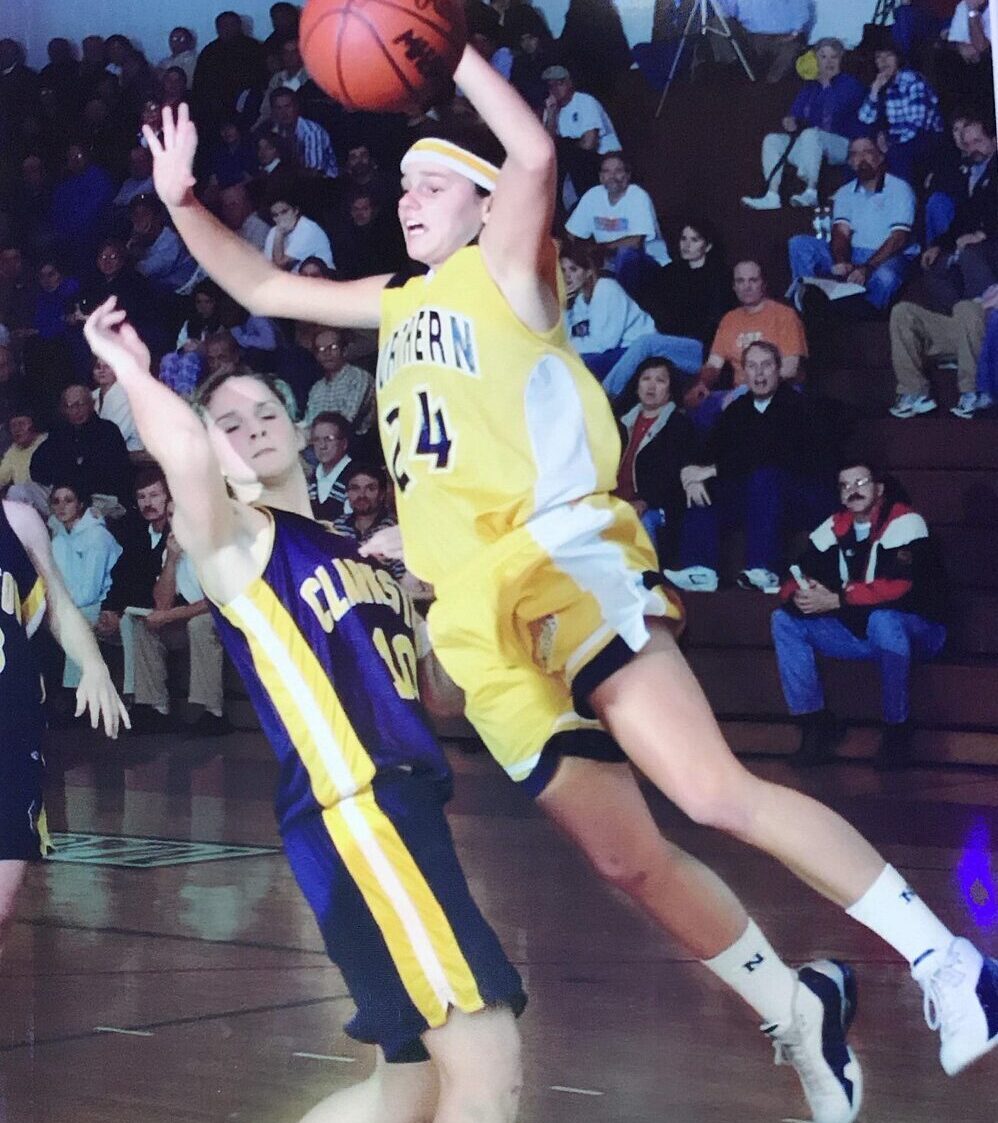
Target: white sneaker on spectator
[[806, 198], [764, 580], [693, 579], [911, 405], [768, 202], [967, 406], [984, 400]]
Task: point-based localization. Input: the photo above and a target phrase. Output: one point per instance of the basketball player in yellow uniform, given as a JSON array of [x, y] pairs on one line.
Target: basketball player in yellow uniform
[[548, 611]]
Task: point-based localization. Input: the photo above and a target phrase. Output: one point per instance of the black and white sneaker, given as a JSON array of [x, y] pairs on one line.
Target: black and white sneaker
[[961, 1001], [814, 1042]]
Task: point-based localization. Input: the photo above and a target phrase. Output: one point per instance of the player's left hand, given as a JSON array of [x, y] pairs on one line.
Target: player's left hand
[[97, 695], [385, 545], [113, 339]]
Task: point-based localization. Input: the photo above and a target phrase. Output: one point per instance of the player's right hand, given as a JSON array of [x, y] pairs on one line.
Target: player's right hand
[[385, 545], [113, 339], [173, 157]]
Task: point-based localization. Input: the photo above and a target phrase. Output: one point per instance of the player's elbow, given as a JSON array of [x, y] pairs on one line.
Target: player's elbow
[[538, 155], [441, 696]]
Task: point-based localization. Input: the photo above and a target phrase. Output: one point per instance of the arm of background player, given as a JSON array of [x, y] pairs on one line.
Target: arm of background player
[[516, 240], [96, 692], [204, 517], [256, 283]]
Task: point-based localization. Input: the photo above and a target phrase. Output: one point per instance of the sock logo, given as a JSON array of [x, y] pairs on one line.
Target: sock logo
[[908, 895], [757, 960]]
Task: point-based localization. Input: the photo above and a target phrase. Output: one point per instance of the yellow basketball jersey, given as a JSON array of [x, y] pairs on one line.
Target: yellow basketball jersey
[[484, 422]]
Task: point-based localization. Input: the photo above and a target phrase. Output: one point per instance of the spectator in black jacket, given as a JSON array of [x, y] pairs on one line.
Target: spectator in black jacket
[[659, 443], [84, 448], [870, 587], [768, 456], [963, 262]]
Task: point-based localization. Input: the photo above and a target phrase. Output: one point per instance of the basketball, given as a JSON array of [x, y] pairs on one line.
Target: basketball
[[382, 54]]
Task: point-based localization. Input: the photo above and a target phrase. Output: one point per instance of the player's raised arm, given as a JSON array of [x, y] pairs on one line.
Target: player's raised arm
[[256, 283], [172, 433], [96, 692], [516, 240]]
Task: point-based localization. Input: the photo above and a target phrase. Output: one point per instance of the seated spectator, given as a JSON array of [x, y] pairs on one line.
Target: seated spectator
[[12, 391], [292, 75], [284, 19], [757, 319], [221, 353], [309, 140], [156, 249], [963, 262], [273, 155], [946, 181], [30, 206], [330, 439], [139, 181], [367, 498], [111, 404], [487, 42], [766, 454], [205, 320], [143, 540], [115, 277], [18, 290], [919, 336], [771, 33], [963, 69], [84, 447], [872, 220], [343, 388], [85, 552], [819, 126], [695, 285], [372, 241], [874, 592], [106, 134], [15, 466], [61, 74], [583, 133], [19, 84], [620, 218], [181, 619], [361, 174], [239, 214], [903, 102], [659, 443], [174, 88], [232, 160], [293, 237], [183, 53], [57, 295], [533, 53], [78, 203]]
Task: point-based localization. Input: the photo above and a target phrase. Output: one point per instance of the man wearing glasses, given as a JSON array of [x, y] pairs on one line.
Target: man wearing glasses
[[330, 439], [343, 388], [869, 587]]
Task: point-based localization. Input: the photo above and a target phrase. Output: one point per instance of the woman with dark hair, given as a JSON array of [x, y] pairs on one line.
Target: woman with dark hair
[[232, 160], [659, 442], [696, 285], [294, 237]]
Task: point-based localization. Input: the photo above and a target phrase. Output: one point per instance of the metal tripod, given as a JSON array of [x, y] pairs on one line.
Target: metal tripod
[[706, 18]]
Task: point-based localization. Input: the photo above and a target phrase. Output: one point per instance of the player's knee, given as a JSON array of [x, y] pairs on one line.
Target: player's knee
[[622, 870], [484, 1082], [723, 805]]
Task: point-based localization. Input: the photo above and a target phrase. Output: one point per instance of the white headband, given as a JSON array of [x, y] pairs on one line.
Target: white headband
[[433, 150]]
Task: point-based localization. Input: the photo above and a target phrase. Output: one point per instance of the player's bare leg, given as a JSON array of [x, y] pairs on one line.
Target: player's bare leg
[[600, 807], [477, 1057], [396, 1093], [11, 878]]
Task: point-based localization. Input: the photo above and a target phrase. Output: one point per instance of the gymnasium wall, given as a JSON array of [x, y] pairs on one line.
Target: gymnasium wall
[[34, 22]]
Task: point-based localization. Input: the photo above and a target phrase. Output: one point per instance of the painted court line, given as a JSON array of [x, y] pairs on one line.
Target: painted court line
[[126, 1032], [575, 1091], [326, 1057]]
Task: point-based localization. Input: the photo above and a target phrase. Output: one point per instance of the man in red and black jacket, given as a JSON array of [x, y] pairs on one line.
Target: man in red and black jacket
[[869, 586]]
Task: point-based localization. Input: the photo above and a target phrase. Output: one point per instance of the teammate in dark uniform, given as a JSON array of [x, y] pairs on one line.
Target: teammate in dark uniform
[[325, 644], [31, 590]]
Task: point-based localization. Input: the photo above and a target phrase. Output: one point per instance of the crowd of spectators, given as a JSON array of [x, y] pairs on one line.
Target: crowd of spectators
[[706, 369]]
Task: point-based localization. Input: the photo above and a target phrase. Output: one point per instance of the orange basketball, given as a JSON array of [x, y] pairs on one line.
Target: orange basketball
[[382, 54]]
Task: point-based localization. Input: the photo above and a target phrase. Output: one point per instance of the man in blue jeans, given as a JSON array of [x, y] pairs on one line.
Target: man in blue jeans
[[869, 587]]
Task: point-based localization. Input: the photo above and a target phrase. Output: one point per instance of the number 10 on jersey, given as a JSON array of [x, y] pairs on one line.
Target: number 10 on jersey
[[433, 440]]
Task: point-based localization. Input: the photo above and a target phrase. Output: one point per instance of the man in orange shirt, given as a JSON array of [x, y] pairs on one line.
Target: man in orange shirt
[[758, 318]]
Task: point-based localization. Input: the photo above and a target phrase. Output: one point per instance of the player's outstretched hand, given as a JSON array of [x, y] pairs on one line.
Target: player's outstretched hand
[[385, 545], [97, 695], [173, 156], [114, 340]]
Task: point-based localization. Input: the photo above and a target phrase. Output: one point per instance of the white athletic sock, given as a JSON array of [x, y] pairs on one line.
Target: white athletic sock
[[753, 970], [892, 909], [161, 709]]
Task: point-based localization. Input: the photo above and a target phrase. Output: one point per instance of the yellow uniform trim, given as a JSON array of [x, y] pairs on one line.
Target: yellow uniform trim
[[33, 607], [415, 927]]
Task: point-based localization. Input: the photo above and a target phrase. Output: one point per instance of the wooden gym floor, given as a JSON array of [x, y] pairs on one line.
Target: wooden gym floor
[[198, 992]]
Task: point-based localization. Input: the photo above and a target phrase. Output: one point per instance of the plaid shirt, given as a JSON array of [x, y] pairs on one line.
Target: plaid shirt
[[910, 105], [346, 525], [351, 393], [314, 148]]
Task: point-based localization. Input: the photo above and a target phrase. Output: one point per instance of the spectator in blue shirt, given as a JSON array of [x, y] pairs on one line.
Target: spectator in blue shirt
[[903, 103], [872, 219], [156, 249], [771, 32], [820, 124], [310, 140], [78, 204]]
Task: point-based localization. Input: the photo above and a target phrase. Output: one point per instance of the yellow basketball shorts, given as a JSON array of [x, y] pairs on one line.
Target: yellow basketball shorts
[[537, 620]]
